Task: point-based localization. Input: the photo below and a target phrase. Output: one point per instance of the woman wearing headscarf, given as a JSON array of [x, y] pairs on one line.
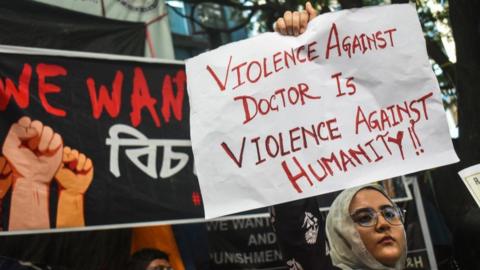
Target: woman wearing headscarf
[[365, 230]]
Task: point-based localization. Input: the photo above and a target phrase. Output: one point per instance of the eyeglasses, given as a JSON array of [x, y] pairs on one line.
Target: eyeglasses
[[367, 217]]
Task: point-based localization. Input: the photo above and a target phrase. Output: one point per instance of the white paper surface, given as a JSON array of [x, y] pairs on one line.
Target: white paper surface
[[381, 117], [471, 178]]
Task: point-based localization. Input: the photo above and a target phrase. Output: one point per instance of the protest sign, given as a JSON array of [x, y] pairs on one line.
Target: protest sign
[[471, 179], [352, 100], [93, 141]]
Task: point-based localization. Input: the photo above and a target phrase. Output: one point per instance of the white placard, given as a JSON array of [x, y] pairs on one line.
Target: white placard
[[471, 178], [352, 100]]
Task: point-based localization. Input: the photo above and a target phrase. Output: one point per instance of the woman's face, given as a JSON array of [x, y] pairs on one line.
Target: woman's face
[[386, 242]]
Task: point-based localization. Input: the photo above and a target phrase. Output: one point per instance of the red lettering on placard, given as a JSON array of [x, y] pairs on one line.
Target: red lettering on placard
[[333, 33], [221, 85], [276, 61], [390, 34], [21, 94], [382, 138], [354, 153], [377, 156], [251, 76], [424, 105], [230, 154], [348, 84], [382, 44], [393, 115], [141, 98], [294, 178], [351, 85], [299, 52], [339, 87], [358, 43], [295, 95], [311, 51], [344, 160], [334, 133], [112, 104], [267, 73], [239, 75], [354, 46], [172, 102], [319, 178], [294, 138], [44, 71], [251, 71], [268, 145], [398, 142], [259, 156]]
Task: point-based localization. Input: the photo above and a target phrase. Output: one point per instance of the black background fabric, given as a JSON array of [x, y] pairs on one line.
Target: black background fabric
[[27, 23], [93, 250]]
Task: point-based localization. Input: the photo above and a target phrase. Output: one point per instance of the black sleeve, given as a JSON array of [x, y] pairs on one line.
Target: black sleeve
[[300, 229]]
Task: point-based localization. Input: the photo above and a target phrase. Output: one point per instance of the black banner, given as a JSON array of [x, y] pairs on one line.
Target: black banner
[[248, 243], [91, 141], [33, 24]]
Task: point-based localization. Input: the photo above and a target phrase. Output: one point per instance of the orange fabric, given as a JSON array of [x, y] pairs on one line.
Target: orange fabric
[[159, 237]]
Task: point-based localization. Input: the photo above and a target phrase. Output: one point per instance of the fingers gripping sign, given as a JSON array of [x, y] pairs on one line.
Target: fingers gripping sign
[[295, 23], [288, 17], [304, 18], [74, 177], [311, 12], [280, 26]]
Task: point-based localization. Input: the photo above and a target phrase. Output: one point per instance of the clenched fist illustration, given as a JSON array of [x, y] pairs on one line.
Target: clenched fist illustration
[[5, 176], [34, 153], [76, 173], [74, 178], [33, 150]]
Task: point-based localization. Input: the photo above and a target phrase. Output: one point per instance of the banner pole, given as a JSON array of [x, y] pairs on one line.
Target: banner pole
[[424, 225]]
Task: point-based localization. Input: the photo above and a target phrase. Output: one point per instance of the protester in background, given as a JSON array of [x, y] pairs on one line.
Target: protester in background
[[365, 230], [149, 259]]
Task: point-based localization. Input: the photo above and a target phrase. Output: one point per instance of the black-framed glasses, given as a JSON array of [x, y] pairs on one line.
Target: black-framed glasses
[[367, 217]]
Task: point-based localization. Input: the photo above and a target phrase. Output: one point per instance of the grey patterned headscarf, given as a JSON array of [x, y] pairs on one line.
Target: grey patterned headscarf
[[346, 246]]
